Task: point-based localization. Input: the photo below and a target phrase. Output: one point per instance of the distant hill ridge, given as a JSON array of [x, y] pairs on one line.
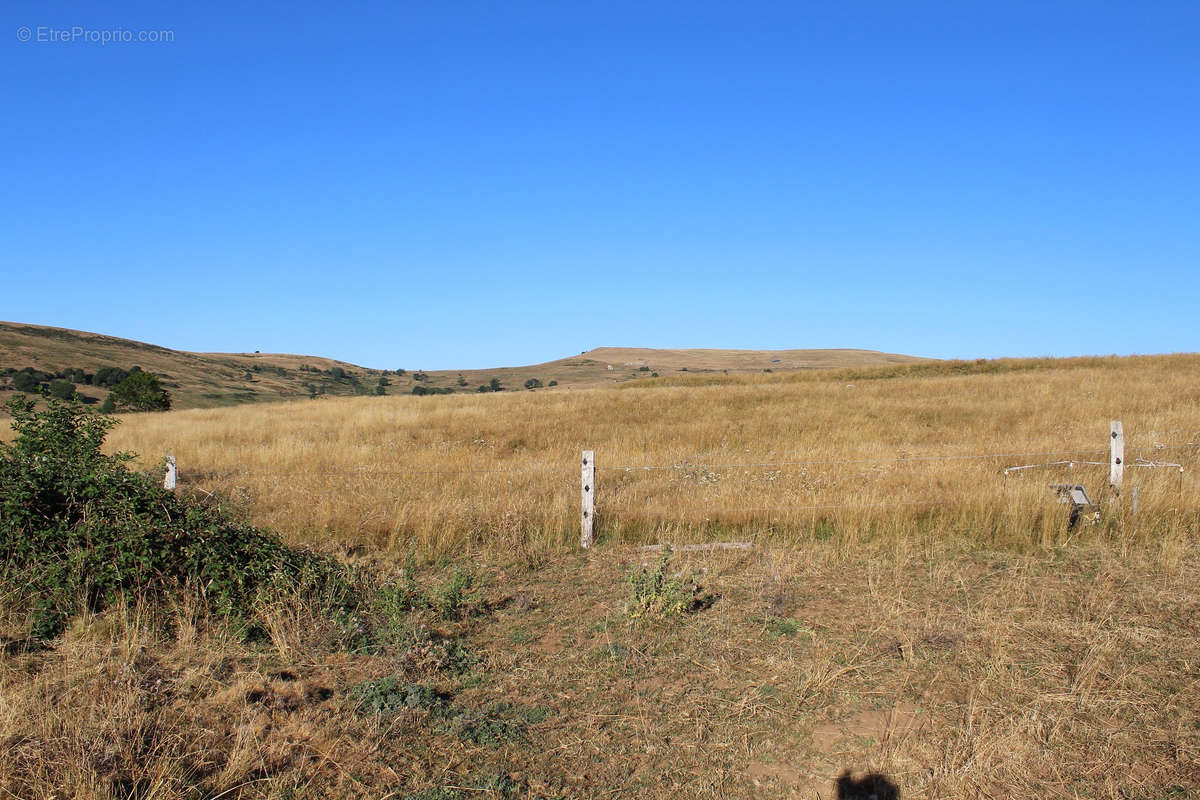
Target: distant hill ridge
[[206, 380]]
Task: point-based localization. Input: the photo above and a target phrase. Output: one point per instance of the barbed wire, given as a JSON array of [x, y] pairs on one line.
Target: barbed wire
[[778, 509], [366, 472]]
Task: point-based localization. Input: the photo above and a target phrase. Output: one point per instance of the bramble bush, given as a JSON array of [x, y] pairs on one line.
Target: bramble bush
[[80, 530]]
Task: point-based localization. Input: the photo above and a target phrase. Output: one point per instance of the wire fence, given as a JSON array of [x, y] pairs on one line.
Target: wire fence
[[1066, 457]]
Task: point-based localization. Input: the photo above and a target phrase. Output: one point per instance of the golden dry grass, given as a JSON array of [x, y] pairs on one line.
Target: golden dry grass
[[958, 674], [941, 626], [787, 457]]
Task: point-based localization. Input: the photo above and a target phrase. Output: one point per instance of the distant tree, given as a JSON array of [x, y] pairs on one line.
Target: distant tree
[[62, 390], [141, 391], [483, 387], [643, 369], [25, 382], [552, 383], [533, 383], [337, 373], [400, 372], [419, 376], [109, 376], [495, 386], [380, 390], [108, 406]]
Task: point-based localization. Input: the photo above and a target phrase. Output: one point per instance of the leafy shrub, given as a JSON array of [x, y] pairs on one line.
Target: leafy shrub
[[643, 369], [653, 593], [423, 390], [552, 383], [141, 391], [108, 406], [78, 529], [25, 382], [533, 383], [109, 376], [337, 373], [61, 390], [453, 598], [388, 696], [494, 385]]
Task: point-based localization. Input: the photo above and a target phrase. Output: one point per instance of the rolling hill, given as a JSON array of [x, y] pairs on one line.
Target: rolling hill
[[208, 380]]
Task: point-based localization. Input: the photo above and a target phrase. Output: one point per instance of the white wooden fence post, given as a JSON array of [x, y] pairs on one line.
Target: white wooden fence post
[[1116, 449], [1135, 500], [588, 488], [169, 477]]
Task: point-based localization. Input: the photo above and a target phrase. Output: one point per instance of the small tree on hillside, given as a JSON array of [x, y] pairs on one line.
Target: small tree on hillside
[[109, 376], [25, 382], [62, 390], [141, 391]]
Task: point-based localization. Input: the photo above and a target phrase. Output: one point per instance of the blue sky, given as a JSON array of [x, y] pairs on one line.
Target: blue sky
[[457, 184]]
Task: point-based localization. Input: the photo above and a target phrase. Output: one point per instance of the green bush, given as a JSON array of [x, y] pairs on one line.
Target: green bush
[[141, 391], [109, 376], [388, 696], [653, 593], [62, 390], [25, 382], [79, 530], [108, 406], [533, 383]]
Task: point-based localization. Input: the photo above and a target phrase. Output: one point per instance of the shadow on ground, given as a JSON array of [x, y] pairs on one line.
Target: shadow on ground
[[871, 786]]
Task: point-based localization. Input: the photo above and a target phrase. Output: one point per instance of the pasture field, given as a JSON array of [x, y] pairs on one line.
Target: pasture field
[[913, 453], [906, 610]]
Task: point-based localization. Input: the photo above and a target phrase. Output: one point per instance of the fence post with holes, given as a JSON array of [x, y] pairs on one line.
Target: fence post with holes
[[588, 488], [169, 477], [1116, 458]]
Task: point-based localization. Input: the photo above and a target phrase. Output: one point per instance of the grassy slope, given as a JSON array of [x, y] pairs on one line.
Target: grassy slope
[[209, 380], [448, 474]]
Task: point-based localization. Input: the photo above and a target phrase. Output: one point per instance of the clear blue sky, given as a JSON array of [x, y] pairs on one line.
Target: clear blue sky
[[454, 184]]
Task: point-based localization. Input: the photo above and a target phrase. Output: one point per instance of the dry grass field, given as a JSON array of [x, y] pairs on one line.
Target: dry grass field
[[910, 453], [906, 610]]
